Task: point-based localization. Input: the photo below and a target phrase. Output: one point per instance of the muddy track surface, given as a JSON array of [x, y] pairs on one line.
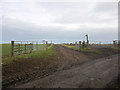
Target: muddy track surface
[[69, 57], [93, 74], [74, 69]]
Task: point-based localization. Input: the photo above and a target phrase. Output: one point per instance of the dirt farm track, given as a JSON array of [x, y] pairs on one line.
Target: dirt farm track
[[74, 69]]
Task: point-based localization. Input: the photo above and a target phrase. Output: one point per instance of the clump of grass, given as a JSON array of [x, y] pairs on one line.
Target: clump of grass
[[116, 47], [90, 50], [38, 54], [85, 49], [72, 47]]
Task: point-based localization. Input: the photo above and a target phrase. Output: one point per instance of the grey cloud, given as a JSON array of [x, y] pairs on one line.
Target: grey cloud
[[83, 15], [64, 13], [56, 34], [106, 7]]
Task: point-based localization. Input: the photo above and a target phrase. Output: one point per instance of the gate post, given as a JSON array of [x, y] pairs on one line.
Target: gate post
[[19, 49], [46, 44], [25, 48], [30, 47], [83, 44], [36, 46], [87, 39], [12, 48], [79, 45]]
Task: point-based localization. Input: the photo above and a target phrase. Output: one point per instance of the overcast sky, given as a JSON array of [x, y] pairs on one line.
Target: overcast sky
[[59, 21]]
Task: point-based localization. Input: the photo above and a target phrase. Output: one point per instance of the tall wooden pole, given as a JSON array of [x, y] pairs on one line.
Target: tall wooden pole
[[87, 39]]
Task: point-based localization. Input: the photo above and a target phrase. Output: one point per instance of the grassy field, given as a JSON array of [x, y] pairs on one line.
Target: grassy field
[[37, 54], [6, 49]]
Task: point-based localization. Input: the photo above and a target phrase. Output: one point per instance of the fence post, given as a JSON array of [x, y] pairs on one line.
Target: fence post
[[46, 44], [30, 47], [12, 47], [118, 44], [19, 49], [87, 40], [25, 48], [83, 44], [79, 45], [114, 43], [36, 45]]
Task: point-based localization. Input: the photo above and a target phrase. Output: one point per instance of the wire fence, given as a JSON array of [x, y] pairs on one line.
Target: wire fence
[[95, 44], [101, 44]]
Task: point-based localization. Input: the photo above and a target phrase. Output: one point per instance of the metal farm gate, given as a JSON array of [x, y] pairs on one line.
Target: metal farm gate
[[24, 47]]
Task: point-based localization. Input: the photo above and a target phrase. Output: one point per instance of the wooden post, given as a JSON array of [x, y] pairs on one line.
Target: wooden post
[[25, 48], [46, 44], [83, 44], [30, 47], [79, 45], [114, 43], [19, 49], [87, 39], [36, 45], [118, 43], [12, 48]]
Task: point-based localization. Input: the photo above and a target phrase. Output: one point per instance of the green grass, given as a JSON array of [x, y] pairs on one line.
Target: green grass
[[37, 54], [89, 50], [40, 46], [6, 49]]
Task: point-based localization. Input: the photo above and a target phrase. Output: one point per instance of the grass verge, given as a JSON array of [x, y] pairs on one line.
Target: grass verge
[[28, 67], [38, 54]]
